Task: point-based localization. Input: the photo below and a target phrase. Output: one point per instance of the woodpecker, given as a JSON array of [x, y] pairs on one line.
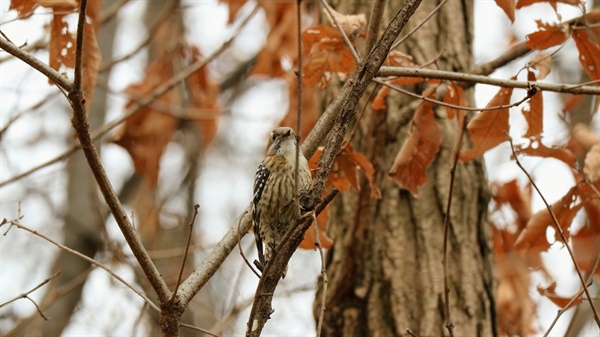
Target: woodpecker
[[273, 210]]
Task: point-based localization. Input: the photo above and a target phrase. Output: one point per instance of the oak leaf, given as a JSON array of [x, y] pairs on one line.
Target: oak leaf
[[63, 4], [327, 54], [146, 133], [489, 127], [518, 198], [553, 3], [589, 54], [90, 63], [418, 151], [547, 36], [309, 236], [346, 167]]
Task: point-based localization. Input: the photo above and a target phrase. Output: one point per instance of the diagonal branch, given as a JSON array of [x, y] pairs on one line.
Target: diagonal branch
[[81, 126], [342, 117]]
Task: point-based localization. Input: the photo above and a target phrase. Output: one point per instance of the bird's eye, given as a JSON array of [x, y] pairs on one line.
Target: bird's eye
[[273, 136]]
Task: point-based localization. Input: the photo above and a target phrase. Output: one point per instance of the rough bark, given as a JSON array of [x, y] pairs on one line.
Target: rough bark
[[385, 268]]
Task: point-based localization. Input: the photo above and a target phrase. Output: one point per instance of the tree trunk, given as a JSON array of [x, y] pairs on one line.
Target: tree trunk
[[385, 268]]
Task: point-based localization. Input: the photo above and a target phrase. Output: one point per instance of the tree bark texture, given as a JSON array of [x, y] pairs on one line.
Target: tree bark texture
[[385, 268]]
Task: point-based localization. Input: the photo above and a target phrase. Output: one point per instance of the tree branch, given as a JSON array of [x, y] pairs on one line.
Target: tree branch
[[81, 126], [36, 64], [479, 79]]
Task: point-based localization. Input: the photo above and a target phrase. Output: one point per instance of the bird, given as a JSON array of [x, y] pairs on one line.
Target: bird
[[272, 204]]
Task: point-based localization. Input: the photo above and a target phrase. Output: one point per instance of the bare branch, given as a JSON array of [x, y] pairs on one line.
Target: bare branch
[[36, 64], [17, 224], [374, 23], [80, 124], [479, 79], [26, 295], [187, 247]]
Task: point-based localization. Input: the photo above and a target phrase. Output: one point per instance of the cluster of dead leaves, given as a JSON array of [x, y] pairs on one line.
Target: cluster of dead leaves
[[61, 45], [150, 129], [519, 243]]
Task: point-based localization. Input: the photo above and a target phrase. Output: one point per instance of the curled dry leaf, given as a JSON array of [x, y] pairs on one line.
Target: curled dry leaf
[[547, 36], [508, 6], [349, 23], [488, 128], [538, 149], [518, 198], [541, 63], [591, 166], [564, 209], [589, 54], [550, 293], [90, 63], [418, 151], [327, 54]]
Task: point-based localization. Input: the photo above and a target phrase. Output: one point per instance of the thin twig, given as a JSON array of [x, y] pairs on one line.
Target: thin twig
[[82, 127], [560, 232], [17, 224], [239, 244], [479, 79], [456, 152], [26, 295], [154, 26], [323, 274], [344, 35], [299, 109], [187, 247], [36, 64], [193, 327], [374, 23], [405, 37], [440, 103]]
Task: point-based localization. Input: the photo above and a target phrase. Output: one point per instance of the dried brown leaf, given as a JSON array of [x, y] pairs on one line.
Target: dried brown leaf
[[537, 149], [547, 36], [589, 54], [418, 151], [541, 63], [90, 63], [61, 45], [488, 128], [591, 166], [62, 4], [327, 54]]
